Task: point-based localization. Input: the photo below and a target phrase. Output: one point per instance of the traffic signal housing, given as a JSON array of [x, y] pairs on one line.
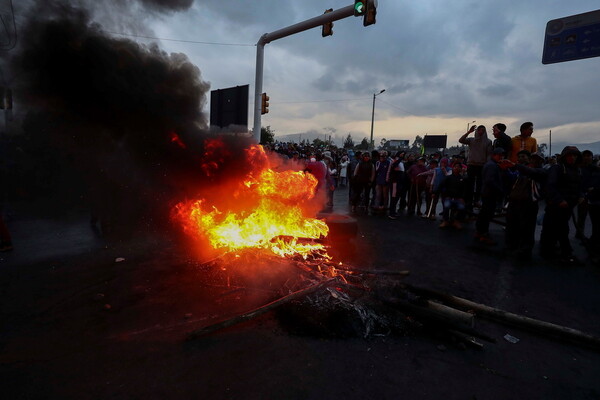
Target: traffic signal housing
[[359, 7], [264, 107], [370, 12], [328, 26]]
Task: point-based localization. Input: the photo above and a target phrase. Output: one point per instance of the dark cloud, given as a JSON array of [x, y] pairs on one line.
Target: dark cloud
[[168, 5]]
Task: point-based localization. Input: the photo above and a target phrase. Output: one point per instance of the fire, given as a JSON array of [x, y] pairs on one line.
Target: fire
[[270, 211]]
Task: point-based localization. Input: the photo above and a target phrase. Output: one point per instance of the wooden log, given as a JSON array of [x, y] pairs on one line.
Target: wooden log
[[462, 317], [436, 318], [261, 310], [520, 321]]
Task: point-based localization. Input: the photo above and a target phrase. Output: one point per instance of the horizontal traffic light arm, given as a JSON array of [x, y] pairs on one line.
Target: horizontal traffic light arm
[[335, 15]]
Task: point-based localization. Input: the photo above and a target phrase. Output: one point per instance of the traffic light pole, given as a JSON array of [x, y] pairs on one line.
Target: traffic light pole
[[281, 33]]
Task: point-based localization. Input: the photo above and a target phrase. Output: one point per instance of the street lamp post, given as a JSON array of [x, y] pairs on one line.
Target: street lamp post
[[373, 117], [469, 123]]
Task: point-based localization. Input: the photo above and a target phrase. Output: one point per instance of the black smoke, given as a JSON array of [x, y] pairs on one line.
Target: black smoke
[[120, 122]]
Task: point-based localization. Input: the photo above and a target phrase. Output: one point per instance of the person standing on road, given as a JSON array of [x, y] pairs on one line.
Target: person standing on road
[[524, 141], [480, 150], [521, 214], [344, 171], [417, 187], [491, 193], [452, 190], [363, 177], [396, 181], [353, 162], [382, 193], [563, 191]]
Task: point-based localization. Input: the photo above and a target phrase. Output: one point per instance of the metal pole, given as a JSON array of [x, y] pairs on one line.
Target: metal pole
[[258, 84], [281, 33], [372, 145], [550, 148]]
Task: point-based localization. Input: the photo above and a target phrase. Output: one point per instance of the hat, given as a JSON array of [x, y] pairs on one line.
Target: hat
[[498, 150], [538, 155]]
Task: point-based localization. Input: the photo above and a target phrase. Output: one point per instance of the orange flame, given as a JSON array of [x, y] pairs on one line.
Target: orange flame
[[271, 215]]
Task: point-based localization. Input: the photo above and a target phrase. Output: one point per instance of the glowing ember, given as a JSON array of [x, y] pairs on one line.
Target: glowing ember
[[270, 212]]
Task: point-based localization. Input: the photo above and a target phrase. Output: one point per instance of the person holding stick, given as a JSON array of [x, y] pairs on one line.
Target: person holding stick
[[417, 186]]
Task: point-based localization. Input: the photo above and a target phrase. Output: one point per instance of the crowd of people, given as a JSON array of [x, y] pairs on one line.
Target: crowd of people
[[504, 177]]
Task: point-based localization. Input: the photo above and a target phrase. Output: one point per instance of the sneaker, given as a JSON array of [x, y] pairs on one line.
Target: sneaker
[[432, 217], [444, 224], [392, 216], [456, 225]]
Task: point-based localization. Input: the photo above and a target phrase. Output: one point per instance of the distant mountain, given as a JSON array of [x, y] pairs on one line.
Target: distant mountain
[[593, 147]]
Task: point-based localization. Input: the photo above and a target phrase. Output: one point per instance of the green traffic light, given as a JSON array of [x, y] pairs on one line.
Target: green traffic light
[[359, 8]]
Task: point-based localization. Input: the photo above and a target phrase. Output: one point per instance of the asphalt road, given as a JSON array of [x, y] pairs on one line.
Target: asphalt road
[[80, 323]]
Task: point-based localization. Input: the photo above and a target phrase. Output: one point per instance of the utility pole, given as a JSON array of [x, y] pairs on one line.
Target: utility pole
[[371, 144]]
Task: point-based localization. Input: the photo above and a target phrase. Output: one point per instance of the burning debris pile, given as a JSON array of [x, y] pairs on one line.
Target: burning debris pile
[[264, 236]]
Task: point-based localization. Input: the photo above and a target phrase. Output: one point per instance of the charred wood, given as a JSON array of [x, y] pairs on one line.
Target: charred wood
[[520, 321]]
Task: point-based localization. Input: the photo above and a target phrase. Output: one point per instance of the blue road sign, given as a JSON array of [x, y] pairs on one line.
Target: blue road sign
[[572, 38]]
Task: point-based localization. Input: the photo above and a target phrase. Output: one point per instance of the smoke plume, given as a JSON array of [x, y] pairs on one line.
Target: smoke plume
[[123, 119]]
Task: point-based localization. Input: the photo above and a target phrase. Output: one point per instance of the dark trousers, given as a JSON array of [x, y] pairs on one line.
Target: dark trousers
[[488, 207], [404, 187], [474, 178], [521, 219], [555, 229], [361, 193], [416, 197], [582, 212], [395, 190]]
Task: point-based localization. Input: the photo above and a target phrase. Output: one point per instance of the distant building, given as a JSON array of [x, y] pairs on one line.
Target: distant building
[[395, 144]]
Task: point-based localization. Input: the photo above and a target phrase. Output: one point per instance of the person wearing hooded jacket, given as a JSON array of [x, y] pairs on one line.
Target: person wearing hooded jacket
[[563, 191], [480, 150]]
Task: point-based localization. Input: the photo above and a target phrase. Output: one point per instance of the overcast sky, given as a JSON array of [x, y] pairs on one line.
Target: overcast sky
[[443, 64]]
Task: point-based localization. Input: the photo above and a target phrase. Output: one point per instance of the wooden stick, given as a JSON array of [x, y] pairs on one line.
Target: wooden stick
[[261, 310], [517, 320], [374, 271]]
